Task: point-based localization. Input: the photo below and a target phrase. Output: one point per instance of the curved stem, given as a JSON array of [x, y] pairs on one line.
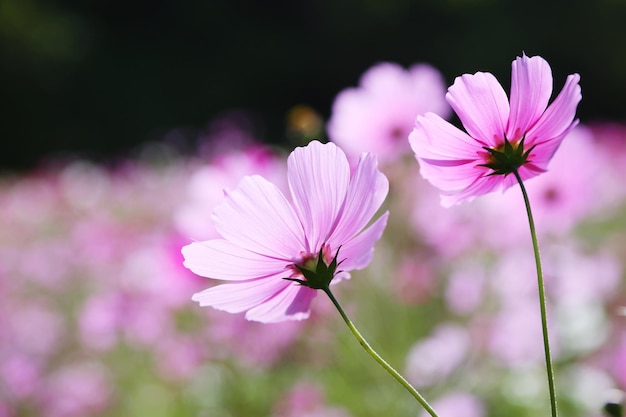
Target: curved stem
[[378, 358], [542, 297]]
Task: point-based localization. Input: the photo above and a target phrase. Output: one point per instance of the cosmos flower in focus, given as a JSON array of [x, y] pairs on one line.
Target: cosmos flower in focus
[[503, 136], [272, 248]]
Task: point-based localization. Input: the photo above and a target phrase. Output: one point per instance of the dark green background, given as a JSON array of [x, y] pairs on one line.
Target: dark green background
[[96, 78]]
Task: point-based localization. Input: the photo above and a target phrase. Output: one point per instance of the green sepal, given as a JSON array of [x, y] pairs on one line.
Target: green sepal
[[322, 276], [508, 158]]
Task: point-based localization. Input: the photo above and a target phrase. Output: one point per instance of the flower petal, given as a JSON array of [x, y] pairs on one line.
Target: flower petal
[[481, 186], [448, 157], [482, 105], [366, 193], [435, 138], [558, 119], [292, 303], [241, 295], [220, 259], [318, 176], [531, 88], [358, 252], [256, 216]]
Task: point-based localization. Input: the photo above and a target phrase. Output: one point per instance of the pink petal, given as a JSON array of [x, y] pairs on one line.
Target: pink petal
[[366, 193], [434, 138], [448, 156], [358, 252], [542, 154], [558, 118], [242, 295], [318, 176], [257, 217], [482, 105], [452, 179], [480, 186], [292, 303], [531, 87], [530, 170], [221, 259]]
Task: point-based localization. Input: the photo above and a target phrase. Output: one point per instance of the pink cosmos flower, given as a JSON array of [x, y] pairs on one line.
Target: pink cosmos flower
[[266, 238], [502, 136], [458, 404], [378, 115]]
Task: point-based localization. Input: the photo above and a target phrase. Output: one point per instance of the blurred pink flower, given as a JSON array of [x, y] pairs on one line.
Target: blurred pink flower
[[178, 357], [78, 389], [458, 404], [451, 233], [20, 375], [513, 329], [248, 341], [205, 188], [579, 278], [378, 115], [99, 320], [514, 333], [610, 144], [466, 288], [306, 400], [414, 280], [436, 357], [43, 335], [265, 238], [503, 135]]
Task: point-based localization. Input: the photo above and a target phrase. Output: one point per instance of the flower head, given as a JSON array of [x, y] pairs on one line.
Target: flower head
[[378, 115], [503, 136], [271, 247]]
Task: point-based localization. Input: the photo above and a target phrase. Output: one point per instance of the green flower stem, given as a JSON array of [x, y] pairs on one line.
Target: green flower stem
[[542, 297], [378, 358]]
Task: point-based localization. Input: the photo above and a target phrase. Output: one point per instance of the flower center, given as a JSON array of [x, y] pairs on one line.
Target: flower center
[[315, 271], [551, 195], [506, 158], [397, 134]]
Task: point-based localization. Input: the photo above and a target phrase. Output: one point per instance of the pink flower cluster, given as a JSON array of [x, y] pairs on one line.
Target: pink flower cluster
[[94, 300]]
